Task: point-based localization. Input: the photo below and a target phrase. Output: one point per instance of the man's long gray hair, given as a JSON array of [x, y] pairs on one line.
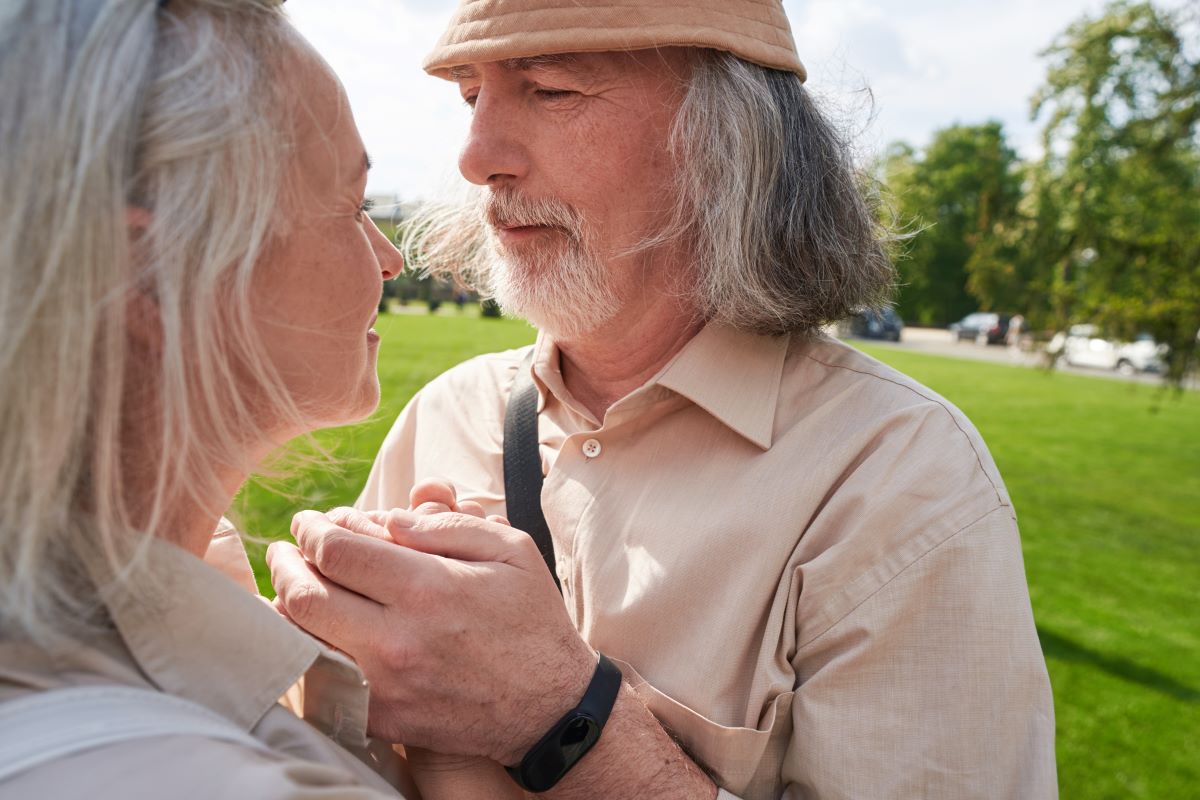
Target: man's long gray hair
[[768, 204]]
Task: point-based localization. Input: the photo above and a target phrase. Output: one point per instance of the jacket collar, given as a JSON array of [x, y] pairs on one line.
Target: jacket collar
[[196, 634]]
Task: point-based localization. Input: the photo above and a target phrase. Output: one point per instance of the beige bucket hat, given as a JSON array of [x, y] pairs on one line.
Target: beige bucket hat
[[494, 30]]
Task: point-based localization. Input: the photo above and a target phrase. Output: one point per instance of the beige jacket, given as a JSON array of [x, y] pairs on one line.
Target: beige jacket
[[201, 637]]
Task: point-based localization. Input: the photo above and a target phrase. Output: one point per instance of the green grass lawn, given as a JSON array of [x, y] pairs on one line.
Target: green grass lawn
[[1105, 477]]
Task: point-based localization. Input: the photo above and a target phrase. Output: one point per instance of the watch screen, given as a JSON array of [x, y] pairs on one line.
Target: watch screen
[[578, 737]]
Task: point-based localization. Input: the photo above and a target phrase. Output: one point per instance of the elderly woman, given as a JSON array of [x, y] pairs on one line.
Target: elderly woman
[[188, 279]]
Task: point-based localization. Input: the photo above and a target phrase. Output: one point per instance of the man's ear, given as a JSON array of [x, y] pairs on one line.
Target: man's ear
[[142, 319]]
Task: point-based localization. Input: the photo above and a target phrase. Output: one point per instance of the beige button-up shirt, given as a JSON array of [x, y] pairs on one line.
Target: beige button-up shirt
[[805, 562], [201, 637]]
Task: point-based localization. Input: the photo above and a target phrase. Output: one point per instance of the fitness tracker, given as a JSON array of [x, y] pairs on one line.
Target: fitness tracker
[[571, 737]]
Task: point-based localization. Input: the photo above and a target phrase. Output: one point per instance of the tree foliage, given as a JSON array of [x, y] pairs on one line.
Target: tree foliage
[[1105, 226], [956, 193], [1116, 197]]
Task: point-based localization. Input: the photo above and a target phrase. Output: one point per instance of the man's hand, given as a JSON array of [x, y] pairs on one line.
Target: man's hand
[[460, 630]]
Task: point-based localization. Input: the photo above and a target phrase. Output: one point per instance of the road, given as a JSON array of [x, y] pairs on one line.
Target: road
[[938, 342]]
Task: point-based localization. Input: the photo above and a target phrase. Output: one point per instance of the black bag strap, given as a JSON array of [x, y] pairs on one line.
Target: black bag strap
[[523, 464]]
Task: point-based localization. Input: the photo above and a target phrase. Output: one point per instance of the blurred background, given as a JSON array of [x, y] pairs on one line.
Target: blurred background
[[1042, 158]]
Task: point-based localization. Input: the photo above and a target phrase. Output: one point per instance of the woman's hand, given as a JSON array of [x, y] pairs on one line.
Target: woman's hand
[[437, 496], [459, 777]]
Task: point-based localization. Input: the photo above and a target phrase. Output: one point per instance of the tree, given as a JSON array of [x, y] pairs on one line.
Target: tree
[[1116, 197], [957, 193]]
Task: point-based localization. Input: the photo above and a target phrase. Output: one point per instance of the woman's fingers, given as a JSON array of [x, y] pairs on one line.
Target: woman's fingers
[[470, 508], [434, 491]]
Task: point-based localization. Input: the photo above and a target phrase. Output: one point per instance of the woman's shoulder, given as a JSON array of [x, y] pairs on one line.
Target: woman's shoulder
[[112, 740], [188, 766], [88, 724]]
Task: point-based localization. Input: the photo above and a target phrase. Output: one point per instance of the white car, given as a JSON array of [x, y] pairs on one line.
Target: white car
[[1082, 346]]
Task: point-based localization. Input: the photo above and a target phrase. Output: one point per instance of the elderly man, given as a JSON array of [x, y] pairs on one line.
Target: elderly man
[[804, 564]]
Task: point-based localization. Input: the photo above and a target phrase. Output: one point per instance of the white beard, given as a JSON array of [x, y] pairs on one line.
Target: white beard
[[558, 284]]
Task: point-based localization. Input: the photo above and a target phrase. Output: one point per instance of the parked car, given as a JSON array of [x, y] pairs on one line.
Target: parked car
[[1084, 346], [874, 324], [982, 327]]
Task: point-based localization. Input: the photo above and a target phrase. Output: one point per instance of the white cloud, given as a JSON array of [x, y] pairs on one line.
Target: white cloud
[[932, 63], [928, 63]]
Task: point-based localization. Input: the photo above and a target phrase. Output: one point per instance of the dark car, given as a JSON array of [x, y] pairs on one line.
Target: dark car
[[882, 323], [983, 327]]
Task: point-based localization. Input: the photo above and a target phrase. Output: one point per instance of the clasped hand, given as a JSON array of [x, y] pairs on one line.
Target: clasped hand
[[453, 619]]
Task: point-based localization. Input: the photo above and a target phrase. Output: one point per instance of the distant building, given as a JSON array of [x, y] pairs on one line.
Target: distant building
[[389, 209]]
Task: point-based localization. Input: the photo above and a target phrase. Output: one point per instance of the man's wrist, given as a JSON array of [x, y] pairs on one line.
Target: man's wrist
[[550, 705], [635, 758], [573, 735]]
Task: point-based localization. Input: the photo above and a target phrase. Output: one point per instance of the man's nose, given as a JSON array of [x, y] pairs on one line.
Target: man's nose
[[493, 153]]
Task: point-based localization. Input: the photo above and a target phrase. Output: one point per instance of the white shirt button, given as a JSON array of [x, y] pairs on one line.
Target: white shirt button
[[591, 448]]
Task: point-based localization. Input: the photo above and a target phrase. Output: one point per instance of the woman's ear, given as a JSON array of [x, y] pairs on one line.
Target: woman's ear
[[142, 319], [137, 220]]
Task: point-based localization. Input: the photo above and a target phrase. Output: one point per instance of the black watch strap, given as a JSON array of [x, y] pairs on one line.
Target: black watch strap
[[573, 736]]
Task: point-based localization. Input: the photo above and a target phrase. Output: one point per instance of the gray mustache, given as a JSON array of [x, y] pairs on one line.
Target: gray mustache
[[508, 210]]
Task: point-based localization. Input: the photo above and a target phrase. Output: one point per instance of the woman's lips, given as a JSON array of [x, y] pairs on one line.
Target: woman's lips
[[372, 334]]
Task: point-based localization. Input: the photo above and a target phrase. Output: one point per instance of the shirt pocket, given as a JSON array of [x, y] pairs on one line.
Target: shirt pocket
[[744, 761]]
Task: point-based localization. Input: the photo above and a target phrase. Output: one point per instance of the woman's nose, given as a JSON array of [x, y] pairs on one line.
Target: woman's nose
[[391, 261]]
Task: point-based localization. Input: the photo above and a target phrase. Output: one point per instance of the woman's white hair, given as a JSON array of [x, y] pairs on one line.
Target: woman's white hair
[[115, 112]]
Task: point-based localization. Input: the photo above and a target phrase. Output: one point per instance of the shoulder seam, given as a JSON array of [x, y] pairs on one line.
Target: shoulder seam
[[936, 402]]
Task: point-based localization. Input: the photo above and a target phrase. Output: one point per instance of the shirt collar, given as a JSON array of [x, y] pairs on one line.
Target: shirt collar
[[547, 372], [198, 635], [733, 375]]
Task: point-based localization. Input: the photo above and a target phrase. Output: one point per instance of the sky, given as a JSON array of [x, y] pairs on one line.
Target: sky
[[927, 64]]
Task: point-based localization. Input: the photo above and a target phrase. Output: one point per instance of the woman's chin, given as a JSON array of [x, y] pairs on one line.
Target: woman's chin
[[348, 409], [368, 402]]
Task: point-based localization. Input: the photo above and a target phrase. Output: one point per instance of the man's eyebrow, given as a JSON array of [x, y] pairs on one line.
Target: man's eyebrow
[[564, 61], [367, 163]]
